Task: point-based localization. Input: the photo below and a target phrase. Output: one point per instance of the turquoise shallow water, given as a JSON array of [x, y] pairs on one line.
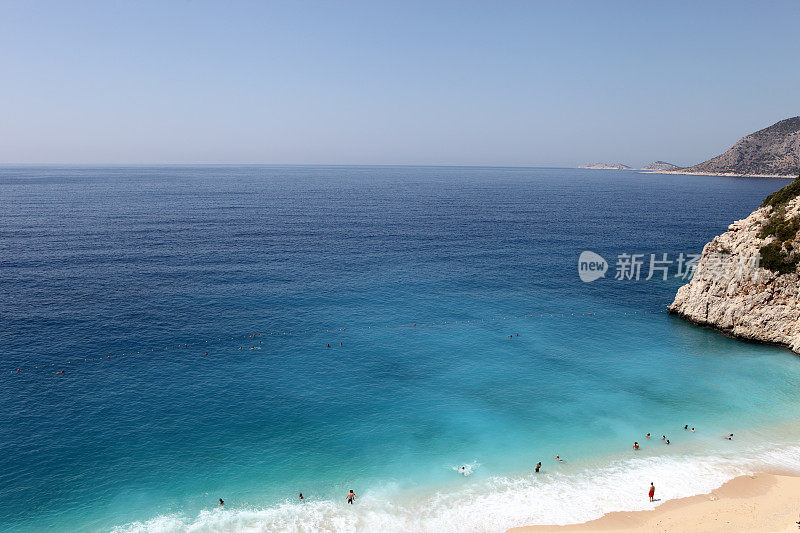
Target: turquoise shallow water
[[106, 261]]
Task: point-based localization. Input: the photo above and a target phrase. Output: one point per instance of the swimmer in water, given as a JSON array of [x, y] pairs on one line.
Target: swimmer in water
[[301, 498], [647, 436], [221, 502], [667, 442], [559, 459], [728, 437], [686, 426], [635, 445], [663, 437], [59, 372], [351, 496], [538, 466], [692, 430]]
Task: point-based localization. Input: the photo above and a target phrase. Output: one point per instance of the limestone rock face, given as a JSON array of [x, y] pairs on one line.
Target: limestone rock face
[[731, 293]]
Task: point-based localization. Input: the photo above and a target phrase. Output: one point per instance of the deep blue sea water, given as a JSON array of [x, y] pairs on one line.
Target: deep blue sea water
[[98, 262]]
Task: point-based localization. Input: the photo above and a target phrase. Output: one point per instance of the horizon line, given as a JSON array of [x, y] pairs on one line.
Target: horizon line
[[280, 165]]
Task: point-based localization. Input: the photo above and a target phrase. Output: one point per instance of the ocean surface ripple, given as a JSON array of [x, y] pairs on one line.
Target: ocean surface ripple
[[514, 359]]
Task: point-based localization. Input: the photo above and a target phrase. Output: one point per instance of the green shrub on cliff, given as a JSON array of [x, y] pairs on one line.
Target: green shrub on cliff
[[775, 259], [777, 225], [779, 256]]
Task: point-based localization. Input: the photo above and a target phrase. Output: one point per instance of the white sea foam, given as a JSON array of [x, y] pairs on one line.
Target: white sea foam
[[466, 469], [493, 504]]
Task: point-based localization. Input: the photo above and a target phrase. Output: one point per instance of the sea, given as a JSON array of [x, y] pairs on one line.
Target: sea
[[176, 335]]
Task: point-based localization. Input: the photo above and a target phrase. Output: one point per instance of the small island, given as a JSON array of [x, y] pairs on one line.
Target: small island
[[660, 166], [606, 166]]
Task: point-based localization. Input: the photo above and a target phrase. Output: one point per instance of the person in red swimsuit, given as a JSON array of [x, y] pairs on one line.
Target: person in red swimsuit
[[652, 491]]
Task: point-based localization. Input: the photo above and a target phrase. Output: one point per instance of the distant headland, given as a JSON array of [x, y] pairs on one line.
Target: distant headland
[[770, 152], [773, 151]]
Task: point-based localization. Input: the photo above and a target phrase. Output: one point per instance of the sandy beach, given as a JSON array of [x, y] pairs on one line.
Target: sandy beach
[[760, 503]]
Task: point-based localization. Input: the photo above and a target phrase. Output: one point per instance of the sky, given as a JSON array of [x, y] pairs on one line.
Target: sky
[[510, 83]]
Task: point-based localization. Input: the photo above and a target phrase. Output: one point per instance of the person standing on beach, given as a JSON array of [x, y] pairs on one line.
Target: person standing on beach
[[351, 496], [652, 491]]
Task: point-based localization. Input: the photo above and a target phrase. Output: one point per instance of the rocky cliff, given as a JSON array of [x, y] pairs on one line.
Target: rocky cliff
[[746, 281], [772, 151]]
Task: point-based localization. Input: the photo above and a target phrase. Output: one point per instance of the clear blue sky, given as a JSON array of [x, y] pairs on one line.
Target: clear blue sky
[[465, 83]]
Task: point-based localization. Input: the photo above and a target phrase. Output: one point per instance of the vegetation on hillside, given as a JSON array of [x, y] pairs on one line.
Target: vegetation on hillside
[[780, 256]]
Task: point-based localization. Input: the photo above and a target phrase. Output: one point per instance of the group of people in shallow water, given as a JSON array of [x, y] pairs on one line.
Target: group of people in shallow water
[[351, 496], [729, 436], [664, 438]]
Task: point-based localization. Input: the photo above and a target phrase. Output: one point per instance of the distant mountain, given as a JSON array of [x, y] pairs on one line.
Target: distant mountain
[[771, 151], [606, 166], [660, 165]]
